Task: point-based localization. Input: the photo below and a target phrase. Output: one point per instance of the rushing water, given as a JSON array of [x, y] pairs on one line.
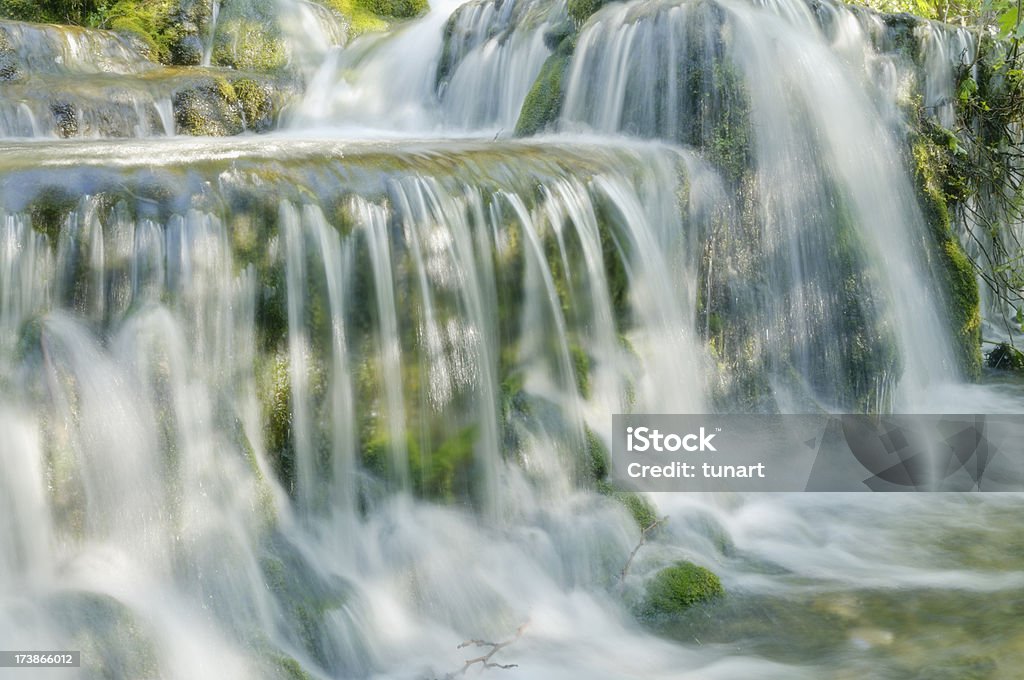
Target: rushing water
[[316, 406]]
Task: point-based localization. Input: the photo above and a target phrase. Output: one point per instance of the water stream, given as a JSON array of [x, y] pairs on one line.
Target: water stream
[[325, 403]]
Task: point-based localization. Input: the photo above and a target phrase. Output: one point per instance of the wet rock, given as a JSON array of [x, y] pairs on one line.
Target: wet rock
[[209, 109], [66, 119], [679, 587], [8, 61], [1006, 357], [187, 51]]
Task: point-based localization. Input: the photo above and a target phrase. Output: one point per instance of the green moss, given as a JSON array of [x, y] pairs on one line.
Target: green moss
[[49, 209], [730, 144], [210, 108], [249, 37], [398, 9], [597, 457], [937, 183], [256, 104], [679, 587], [360, 19], [543, 104], [249, 46], [443, 473], [290, 669], [581, 369], [275, 391], [641, 509], [581, 10]]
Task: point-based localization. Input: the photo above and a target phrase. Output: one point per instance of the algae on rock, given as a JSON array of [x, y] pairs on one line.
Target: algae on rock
[[675, 589]]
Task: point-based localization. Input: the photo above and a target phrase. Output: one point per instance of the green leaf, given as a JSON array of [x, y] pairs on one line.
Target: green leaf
[[1009, 22]]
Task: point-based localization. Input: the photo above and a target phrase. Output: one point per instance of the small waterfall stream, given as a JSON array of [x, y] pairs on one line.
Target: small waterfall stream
[[327, 402]]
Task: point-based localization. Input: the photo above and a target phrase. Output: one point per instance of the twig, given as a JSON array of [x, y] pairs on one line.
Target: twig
[[643, 539], [485, 660]]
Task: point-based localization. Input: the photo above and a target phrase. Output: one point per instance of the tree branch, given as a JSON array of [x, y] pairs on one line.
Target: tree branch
[[643, 539], [485, 659]]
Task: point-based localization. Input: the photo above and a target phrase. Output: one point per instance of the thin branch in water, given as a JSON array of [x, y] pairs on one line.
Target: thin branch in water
[[485, 659], [643, 539]]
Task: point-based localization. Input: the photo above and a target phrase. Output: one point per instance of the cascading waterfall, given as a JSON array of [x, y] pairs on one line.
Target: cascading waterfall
[[822, 162], [461, 69], [87, 83], [295, 407], [208, 50]]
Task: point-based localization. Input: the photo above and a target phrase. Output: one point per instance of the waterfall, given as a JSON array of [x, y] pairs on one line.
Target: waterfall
[[461, 69], [208, 51], [329, 401]]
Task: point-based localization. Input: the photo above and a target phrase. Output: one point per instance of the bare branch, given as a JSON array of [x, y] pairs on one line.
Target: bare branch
[[485, 659], [643, 539]]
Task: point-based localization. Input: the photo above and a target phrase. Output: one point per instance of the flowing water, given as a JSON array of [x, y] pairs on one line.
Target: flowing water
[[325, 405]]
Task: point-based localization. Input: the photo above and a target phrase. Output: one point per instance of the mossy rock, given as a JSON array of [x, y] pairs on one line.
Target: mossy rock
[[359, 18], [113, 640], [581, 369], [597, 456], [543, 104], [65, 119], [8, 59], [640, 509], [397, 9], [249, 37], [938, 182], [581, 10], [1005, 357], [256, 104], [210, 108], [440, 473], [675, 589]]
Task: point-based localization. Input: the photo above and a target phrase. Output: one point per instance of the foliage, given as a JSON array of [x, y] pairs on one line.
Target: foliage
[[399, 9], [580, 10], [50, 11], [990, 105], [938, 167], [361, 20]]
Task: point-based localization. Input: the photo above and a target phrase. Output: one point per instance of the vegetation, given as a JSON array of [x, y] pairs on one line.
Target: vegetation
[[679, 587], [174, 31], [1001, 13], [991, 107], [544, 101], [976, 172]]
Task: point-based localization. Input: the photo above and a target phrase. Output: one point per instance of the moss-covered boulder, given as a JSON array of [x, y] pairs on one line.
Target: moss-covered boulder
[[256, 102], [249, 37], [679, 587], [216, 105], [543, 103], [210, 108]]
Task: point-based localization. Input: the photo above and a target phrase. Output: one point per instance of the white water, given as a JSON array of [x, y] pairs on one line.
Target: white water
[[427, 289], [214, 16], [389, 84]]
